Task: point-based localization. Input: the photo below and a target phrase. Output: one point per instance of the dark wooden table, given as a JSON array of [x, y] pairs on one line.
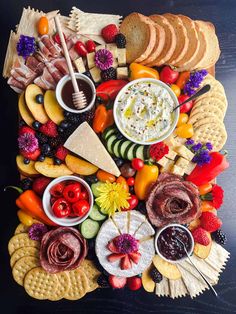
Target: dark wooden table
[[13, 298]]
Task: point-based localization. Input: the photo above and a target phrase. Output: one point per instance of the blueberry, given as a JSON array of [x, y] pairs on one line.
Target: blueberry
[[91, 179], [119, 161], [39, 99], [131, 190], [66, 114], [26, 161], [60, 130], [45, 149], [21, 123], [26, 184], [64, 124], [57, 161], [41, 158], [36, 125]]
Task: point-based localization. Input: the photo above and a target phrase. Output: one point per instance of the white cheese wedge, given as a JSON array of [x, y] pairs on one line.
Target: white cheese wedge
[[100, 47], [121, 55], [184, 152], [79, 64], [96, 74], [182, 163], [90, 60], [122, 73], [85, 143], [135, 219], [113, 49]]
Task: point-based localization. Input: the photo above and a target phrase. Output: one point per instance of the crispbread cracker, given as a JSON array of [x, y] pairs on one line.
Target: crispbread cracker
[[21, 228], [24, 251], [21, 240], [162, 288], [202, 115], [92, 273], [39, 284], [206, 121], [79, 285], [22, 266], [205, 108], [217, 257], [211, 102], [177, 288], [211, 132], [62, 287]]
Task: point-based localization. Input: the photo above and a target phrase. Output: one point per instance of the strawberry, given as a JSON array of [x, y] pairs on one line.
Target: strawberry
[[115, 257], [135, 257], [210, 222], [57, 190], [26, 129], [109, 33], [40, 184], [31, 156], [61, 152], [125, 263], [117, 282], [134, 283], [111, 247], [49, 129], [201, 236]]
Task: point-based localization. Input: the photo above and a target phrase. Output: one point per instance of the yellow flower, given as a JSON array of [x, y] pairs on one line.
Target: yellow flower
[[112, 197]]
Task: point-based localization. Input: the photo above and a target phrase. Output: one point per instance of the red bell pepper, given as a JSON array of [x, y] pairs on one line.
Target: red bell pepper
[[204, 174], [109, 90]]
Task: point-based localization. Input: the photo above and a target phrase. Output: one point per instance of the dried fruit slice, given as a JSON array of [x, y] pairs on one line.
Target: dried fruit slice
[[48, 169], [52, 107], [202, 251], [167, 269], [24, 111], [148, 283]]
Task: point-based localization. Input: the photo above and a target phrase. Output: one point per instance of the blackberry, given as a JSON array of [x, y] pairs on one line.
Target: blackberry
[[219, 236], [109, 74], [26, 184], [41, 138], [73, 118], [87, 116], [54, 142], [120, 41], [156, 276], [103, 281]]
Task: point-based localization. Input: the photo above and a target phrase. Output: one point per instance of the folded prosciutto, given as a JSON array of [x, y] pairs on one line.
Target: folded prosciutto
[[62, 249], [173, 200]]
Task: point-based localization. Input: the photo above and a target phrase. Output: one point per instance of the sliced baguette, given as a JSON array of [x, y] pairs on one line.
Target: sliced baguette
[[170, 41], [140, 36]]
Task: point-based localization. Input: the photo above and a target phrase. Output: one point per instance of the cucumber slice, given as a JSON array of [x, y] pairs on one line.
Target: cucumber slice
[[140, 152], [95, 214], [95, 187], [116, 148], [108, 132], [122, 147], [146, 152], [110, 141], [103, 211], [89, 228], [130, 154], [113, 145], [127, 150]]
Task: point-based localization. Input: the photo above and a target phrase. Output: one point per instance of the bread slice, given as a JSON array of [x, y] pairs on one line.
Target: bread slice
[[212, 48], [194, 44], [159, 45], [140, 36], [170, 41]]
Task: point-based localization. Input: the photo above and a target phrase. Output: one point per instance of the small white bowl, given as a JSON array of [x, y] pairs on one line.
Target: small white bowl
[[67, 221], [173, 96], [62, 82], [179, 226]]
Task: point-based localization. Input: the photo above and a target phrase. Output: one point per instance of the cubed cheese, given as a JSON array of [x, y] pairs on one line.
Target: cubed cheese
[[183, 151], [177, 170], [179, 140], [79, 64], [121, 55], [168, 166], [122, 73], [90, 60], [171, 154], [163, 161], [182, 163], [115, 63], [96, 74], [113, 49], [190, 167], [170, 141], [100, 47]]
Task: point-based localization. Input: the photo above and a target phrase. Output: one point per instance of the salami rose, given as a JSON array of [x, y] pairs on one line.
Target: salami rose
[[171, 200], [62, 249]]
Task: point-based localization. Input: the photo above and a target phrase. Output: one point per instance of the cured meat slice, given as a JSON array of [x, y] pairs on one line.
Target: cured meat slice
[[61, 65], [44, 50], [53, 48], [45, 80], [22, 69], [55, 73], [70, 42], [35, 65], [15, 85]]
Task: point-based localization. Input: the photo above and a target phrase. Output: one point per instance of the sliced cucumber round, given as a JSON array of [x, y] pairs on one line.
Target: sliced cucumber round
[[95, 187], [116, 148], [127, 150], [110, 142], [140, 152], [108, 132], [89, 228], [130, 154], [95, 214]]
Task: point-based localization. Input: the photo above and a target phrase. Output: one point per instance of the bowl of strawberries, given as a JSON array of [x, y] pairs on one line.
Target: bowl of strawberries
[[68, 200]]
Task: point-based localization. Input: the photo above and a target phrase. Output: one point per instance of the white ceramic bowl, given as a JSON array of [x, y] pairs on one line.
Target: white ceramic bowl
[[174, 225], [62, 82], [176, 112], [67, 221]]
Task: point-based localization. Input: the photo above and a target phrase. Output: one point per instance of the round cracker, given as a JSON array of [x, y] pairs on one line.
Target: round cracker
[[92, 273], [22, 266], [79, 285], [21, 228], [211, 102], [201, 115], [211, 132], [205, 108], [24, 251], [21, 240], [63, 286], [206, 121], [39, 284]]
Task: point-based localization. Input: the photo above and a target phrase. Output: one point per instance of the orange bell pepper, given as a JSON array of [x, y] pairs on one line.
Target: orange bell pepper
[[144, 179], [141, 71], [100, 119], [110, 119]]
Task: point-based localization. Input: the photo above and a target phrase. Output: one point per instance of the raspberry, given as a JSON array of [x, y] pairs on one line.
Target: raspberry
[[109, 32], [120, 41], [31, 156], [40, 184], [109, 74], [26, 129], [210, 222], [201, 236], [49, 129], [61, 153]]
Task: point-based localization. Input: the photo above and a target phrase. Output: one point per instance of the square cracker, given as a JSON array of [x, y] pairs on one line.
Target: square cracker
[[177, 288], [162, 288]]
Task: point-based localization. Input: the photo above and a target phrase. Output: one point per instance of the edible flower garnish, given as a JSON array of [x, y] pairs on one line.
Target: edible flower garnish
[[112, 197], [37, 231], [201, 152], [159, 150], [28, 143], [126, 243], [194, 82], [26, 46], [216, 196], [103, 59]]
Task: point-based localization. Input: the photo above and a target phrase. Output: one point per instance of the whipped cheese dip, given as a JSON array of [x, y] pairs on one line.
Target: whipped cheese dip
[[144, 110]]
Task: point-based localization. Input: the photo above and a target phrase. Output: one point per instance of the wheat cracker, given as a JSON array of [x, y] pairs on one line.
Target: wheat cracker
[[79, 285], [22, 266], [92, 273], [21, 228], [24, 251], [62, 288], [211, 102], [21, 240]]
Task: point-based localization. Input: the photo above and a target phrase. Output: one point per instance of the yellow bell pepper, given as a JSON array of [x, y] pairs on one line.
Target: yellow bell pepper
[[144, 179], [138, 71], [24, 218]]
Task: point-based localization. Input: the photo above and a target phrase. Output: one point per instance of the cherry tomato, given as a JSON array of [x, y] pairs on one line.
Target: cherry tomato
[[71, 192], [205, 188], [57, 189], [83, 194], [130, 181], [176, 89], [133, 201], [57, 39], [188, 106], [183, 119], [81, 208], [185, 130], [168, 75], [61, 208], [81, 49], [121, 180], [90, 45], [105, 176], [137, 163], [43, 25], [182, 79]]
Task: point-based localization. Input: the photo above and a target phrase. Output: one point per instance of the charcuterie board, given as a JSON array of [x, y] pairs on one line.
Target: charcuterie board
[[114, 194]]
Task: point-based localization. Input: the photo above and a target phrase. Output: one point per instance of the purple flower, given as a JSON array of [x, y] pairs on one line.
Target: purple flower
[[28, 143], [189, 142], [196, 147], [126, 243], [36, 231], [26, 46], [209, 146], [202, 157], [194, 82], [103, 59]]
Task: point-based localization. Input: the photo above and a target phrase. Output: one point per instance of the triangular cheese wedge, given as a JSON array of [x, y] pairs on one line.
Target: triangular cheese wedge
[[85, 143]]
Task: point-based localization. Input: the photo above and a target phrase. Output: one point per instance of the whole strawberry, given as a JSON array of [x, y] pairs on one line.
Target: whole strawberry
[[109, 33], [49, 129], [210, 222], [134, 283], [32, 156], [61, 152], [40, 184], [201, 236]]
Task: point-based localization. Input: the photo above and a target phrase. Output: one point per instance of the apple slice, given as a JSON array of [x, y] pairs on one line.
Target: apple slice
[[203, 251], [24, 111], [80, 166], [148, 283], [48, 169], [52, 107], [26, 170], [35, 108], [167, 269]]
